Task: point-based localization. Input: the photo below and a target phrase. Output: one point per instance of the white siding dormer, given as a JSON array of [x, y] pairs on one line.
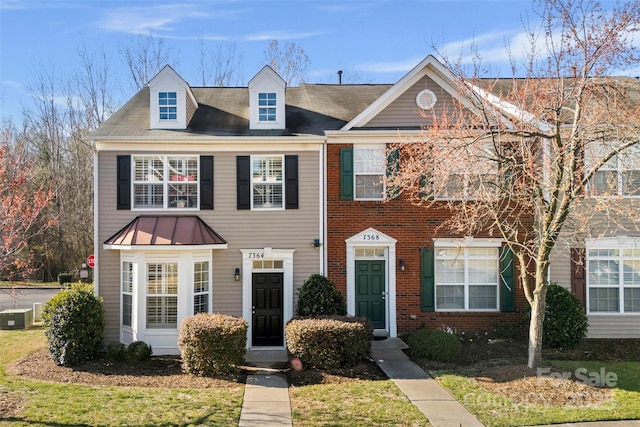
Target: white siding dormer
[[266, 100], [171, 102]]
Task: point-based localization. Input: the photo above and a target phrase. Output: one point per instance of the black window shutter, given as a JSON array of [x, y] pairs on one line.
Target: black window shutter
[[291, 182], [206, 182], [427, 279], [507, 281], [346, 173], [243, 182], [123, 182]]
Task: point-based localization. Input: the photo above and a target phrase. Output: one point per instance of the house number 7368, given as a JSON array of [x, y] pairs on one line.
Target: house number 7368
[[370, 237]]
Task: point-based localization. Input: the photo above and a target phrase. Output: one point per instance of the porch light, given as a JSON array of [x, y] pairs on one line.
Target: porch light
[[237, 274], [316, 243], [401, 262]]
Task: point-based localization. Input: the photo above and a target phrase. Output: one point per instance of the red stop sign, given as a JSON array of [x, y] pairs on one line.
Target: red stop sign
[[91, 261]]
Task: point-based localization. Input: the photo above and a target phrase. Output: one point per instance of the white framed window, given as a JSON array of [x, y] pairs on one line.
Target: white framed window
[[466, 278], [168, 105], [267, 190], [267, 107], [369, 167], [201, 287], [470, 177], [162, 295], [165, 182], [127, 292], [619, 177], [613, 280]]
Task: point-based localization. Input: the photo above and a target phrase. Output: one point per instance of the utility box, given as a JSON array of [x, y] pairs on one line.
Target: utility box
[[37, 311], [20, 318]]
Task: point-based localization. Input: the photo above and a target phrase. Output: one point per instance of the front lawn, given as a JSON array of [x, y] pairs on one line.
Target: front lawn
[[25, 402], [493, 383]]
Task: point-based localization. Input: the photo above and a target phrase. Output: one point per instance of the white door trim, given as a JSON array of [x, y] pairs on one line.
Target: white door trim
[[373, 238]]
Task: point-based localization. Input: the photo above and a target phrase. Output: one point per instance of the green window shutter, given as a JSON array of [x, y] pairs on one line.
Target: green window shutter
[[123, 183], [243, 182], [427, 279], [206, 182], [507, 281], [346, 173], [393, 165]]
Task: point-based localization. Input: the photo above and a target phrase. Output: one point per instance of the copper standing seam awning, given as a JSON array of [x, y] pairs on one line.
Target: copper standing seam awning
[[157, 232]]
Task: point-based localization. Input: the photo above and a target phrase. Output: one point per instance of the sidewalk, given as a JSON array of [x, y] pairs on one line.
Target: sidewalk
[[440, 408]]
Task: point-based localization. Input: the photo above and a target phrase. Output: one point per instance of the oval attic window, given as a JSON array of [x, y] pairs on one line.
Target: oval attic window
[[426, 99]]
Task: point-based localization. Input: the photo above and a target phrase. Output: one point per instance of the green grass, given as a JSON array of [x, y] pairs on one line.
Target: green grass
[[47, 404], [494, 410], [361, 403]]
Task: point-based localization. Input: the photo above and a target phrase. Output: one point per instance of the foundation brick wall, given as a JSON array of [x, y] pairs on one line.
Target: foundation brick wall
[[414, 228]]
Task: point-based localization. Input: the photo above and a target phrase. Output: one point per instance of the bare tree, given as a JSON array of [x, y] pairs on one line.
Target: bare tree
[[145, 56], [517, 159], [220, 65], [290, 62]]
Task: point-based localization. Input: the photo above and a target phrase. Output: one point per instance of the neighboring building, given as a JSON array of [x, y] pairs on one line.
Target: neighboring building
[[391, 258], [226, 199]]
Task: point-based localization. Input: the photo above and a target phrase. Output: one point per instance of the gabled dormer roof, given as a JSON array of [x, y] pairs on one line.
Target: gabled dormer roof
[[169, 81], [267, 100]]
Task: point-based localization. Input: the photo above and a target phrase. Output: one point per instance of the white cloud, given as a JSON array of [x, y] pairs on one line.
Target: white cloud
[[279, 35], [13, 84], [391, 66], [158, 20]]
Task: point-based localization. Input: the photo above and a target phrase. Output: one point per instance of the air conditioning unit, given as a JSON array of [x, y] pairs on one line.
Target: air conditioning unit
[[20, 318]]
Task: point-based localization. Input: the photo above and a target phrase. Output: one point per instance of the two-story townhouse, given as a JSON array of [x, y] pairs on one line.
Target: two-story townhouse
[[392, 259], [210, 199]]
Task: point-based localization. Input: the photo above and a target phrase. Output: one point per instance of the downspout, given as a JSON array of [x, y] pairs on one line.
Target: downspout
[[96, 240]]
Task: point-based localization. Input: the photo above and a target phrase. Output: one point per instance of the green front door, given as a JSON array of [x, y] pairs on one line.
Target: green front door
[[370, 292]]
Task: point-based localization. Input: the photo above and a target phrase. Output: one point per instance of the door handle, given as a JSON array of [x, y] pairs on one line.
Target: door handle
[[253, 310], [384, 295]]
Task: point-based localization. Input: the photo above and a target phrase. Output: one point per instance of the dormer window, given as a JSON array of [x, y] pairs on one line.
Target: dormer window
[[267, 107], [168, 103], [267, 100]]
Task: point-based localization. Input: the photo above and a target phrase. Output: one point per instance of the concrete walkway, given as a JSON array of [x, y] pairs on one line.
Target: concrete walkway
[[440, 408], [266, 394]]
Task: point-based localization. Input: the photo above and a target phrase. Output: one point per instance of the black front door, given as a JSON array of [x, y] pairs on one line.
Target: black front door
[[267, 322]]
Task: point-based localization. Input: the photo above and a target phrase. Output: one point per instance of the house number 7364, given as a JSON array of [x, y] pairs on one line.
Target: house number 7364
[[370, 237], [256, 255]]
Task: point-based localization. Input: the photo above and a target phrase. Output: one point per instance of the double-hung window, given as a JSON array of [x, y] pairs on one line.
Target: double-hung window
[[468, 177], [127, 292], [466, 278], [268, 182], [620, 176], [165, 182], [369, 169], [162, 295], [267, 107], [613, 281], [201, 287], [168, 104]]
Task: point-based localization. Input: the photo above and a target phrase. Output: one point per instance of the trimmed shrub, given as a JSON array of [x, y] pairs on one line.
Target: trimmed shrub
[[73, 324], [212, 344], [139, 351], [65, 278], [329, 342], [565, 322], [318, 296], [116, 352], [434, 344]]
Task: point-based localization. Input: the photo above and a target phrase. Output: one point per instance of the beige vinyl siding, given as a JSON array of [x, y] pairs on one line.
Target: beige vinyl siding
[[617, 221], [403, 112], [281, 229], [614, 326], [191, 108]]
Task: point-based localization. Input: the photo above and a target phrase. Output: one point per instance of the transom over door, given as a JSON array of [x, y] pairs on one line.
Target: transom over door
[[267, 314], [370, 292]]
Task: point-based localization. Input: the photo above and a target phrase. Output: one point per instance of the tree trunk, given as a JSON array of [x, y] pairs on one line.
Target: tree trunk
[[535, 326]]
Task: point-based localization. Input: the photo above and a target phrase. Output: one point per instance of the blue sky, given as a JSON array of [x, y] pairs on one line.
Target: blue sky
[[379, 41]]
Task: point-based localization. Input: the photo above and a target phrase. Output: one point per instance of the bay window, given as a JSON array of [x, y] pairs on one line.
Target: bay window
[[162, 295]]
